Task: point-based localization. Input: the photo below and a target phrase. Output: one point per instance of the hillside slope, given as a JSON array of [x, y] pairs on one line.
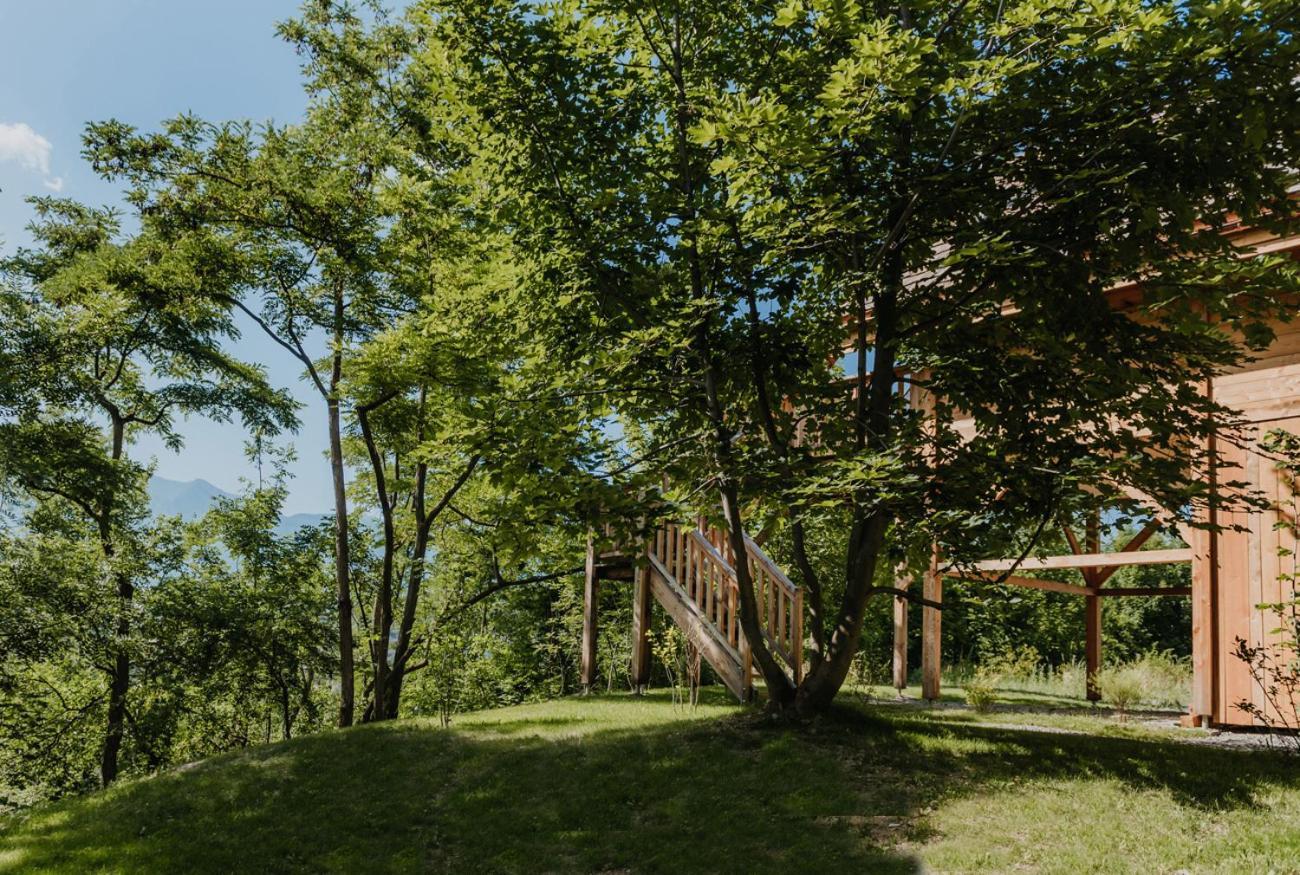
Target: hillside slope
[[616, 784]]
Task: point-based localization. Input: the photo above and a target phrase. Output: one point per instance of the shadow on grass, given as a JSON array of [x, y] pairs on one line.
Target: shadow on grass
[[737, 793]]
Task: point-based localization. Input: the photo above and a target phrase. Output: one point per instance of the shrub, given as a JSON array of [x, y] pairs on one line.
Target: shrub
[[1015, 664], [981, 689], [1121, 686]]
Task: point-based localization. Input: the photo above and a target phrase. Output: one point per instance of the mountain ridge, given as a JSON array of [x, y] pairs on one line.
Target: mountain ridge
[[190, 499]]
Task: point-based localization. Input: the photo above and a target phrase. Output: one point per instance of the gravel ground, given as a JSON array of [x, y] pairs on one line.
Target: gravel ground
[[1164, 722]]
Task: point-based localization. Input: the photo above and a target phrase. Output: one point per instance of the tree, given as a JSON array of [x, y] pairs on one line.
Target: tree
[[296, 209], [119, 337], [359, 226], [721, 200], [244, 631]]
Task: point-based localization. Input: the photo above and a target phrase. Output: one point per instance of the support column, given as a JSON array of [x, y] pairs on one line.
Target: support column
[[640, 629], [1092, 644], [1092, 610], [590, 605], [1205, 578], [900, 633], [931, 627]]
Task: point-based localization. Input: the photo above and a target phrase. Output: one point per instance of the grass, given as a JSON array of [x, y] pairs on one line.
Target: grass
[[1158, 680], [619, 784]]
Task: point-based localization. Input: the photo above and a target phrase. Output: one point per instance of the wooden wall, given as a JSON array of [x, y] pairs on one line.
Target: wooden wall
[[1257, 559]]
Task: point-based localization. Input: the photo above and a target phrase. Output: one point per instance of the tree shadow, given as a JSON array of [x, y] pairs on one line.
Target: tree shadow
[[737, 793]]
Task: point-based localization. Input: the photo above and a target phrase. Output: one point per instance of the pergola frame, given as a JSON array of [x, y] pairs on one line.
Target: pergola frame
[[1095, 566]]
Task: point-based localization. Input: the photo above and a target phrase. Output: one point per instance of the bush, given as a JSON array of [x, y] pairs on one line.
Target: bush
[[1015, 664], [982, 689], [1122, 686]]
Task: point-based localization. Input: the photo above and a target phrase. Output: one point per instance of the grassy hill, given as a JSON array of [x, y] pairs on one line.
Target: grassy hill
[[618, 784]]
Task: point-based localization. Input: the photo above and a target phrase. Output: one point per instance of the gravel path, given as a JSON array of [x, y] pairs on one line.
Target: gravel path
[[1164, 722]]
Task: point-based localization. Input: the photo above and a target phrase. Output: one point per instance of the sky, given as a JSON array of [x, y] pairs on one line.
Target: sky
[[66, 62]]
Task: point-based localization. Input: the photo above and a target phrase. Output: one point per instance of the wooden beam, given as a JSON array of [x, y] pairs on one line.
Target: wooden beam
[[590, 603], [900, 633], [1092, 609], [1092, 644], [931, 629], [640, 629], [1133, 545], [1070, 538], [1031, 582], [1205, 578], [1145, 590], [1089, 560]]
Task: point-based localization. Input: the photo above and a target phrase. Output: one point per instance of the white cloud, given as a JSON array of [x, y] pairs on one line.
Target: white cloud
[[22, 145]]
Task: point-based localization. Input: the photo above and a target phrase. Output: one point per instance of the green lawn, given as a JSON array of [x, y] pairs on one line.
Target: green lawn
[[618, 784]]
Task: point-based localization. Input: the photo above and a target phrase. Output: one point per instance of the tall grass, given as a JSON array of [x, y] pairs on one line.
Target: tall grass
[[1156, 679]]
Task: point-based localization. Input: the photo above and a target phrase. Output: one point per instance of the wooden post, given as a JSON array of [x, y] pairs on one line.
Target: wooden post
[[590, 605], [931, 627], [1205, 577], [900, 633], [1092, 610], [640, 629]]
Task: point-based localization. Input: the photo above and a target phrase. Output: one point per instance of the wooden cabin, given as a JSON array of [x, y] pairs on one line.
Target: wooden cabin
[[1249, 563]]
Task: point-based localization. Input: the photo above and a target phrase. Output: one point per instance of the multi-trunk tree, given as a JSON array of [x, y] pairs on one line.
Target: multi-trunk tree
[[721, 200]]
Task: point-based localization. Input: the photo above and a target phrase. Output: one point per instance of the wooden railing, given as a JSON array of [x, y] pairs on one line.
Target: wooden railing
[[701, 562]]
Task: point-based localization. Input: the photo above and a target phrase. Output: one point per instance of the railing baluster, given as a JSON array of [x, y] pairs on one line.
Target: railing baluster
[[714, 614], [732, 597], [692, 567], [780, 621], [770, 602]]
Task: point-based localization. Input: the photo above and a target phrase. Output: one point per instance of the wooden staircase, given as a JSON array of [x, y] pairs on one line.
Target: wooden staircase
[[690, 571]]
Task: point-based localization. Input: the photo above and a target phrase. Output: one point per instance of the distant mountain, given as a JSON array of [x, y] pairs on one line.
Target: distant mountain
[[191, 499], [295, 521], [188, 498]]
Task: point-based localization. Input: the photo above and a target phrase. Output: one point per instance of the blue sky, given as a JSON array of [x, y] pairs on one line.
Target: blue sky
[[66, 62]]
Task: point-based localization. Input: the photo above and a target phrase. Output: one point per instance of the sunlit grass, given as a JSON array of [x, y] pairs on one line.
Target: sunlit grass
[[617, 783]]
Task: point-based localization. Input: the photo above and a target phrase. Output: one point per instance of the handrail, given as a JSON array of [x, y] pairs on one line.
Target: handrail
[[698, 560]]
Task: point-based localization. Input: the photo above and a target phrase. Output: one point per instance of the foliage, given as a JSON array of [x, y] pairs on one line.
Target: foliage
[[229, 645], [119, 340]]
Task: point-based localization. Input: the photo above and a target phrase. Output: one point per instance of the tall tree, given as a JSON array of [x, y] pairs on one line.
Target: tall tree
[[297, 206], [364, 227], [120, 337]]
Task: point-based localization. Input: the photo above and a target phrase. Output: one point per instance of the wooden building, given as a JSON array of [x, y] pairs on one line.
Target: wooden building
[[1247, 564]]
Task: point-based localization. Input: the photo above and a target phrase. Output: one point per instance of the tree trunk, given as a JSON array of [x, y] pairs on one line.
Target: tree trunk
[[418, 553], [119, 686], [342, 557], [120, 675], [779, 686], [873, 426], [824, 681], [382, 621]]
